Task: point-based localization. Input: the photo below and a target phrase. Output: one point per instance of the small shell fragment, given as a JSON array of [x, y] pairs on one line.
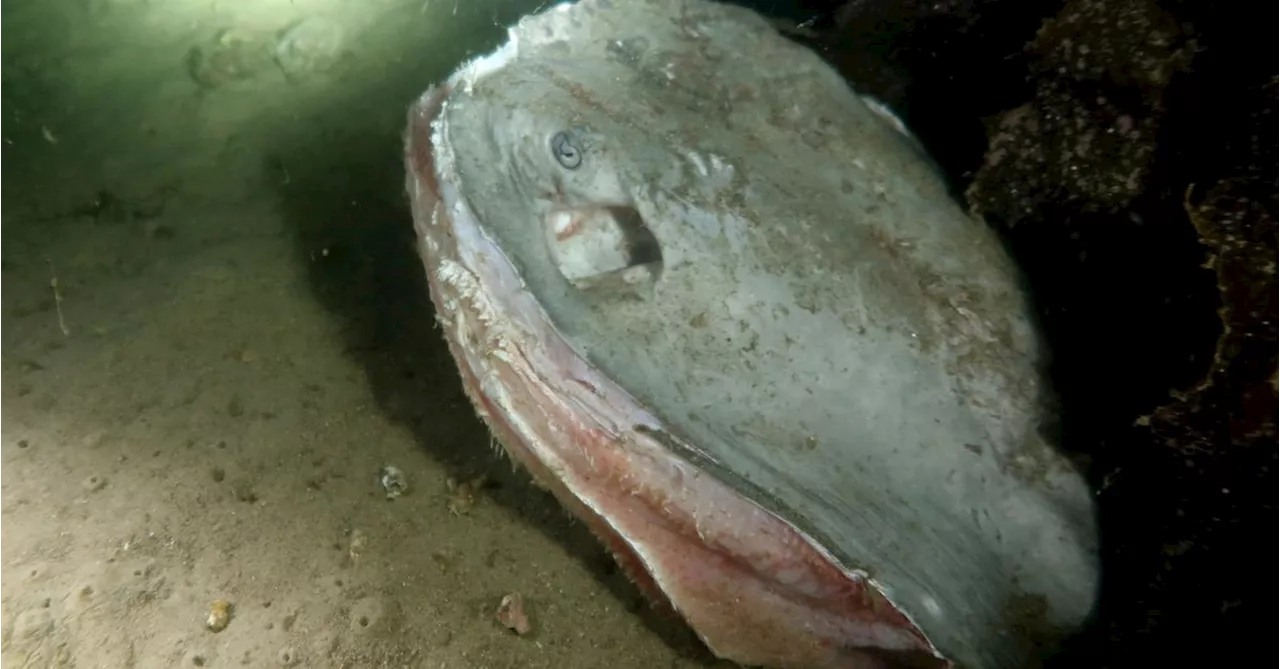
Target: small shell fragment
[[462, 495], [394, 481], [356, 544], [219, 616], [512, 615]]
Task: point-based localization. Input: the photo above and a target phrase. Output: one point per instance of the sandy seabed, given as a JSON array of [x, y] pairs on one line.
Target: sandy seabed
[[216, 336]]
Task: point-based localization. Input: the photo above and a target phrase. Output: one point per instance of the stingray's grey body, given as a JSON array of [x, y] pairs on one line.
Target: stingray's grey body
[[827, 331]]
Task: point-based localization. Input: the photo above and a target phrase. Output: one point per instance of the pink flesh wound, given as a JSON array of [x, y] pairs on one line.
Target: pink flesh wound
[[755, 589]]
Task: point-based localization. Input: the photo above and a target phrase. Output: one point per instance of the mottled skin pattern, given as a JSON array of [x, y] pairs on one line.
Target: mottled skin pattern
[[814, 421]]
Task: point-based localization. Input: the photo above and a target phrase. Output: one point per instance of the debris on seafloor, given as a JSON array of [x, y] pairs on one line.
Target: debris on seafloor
[[219, 616], [462, 494], [394, 481], [512, 615], [57, 299], [356, 544]]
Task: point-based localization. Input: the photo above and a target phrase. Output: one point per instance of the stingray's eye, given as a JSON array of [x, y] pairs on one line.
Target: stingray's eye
[[566, 150]]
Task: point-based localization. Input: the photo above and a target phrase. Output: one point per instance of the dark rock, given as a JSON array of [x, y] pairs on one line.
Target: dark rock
[[1088, 136]]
